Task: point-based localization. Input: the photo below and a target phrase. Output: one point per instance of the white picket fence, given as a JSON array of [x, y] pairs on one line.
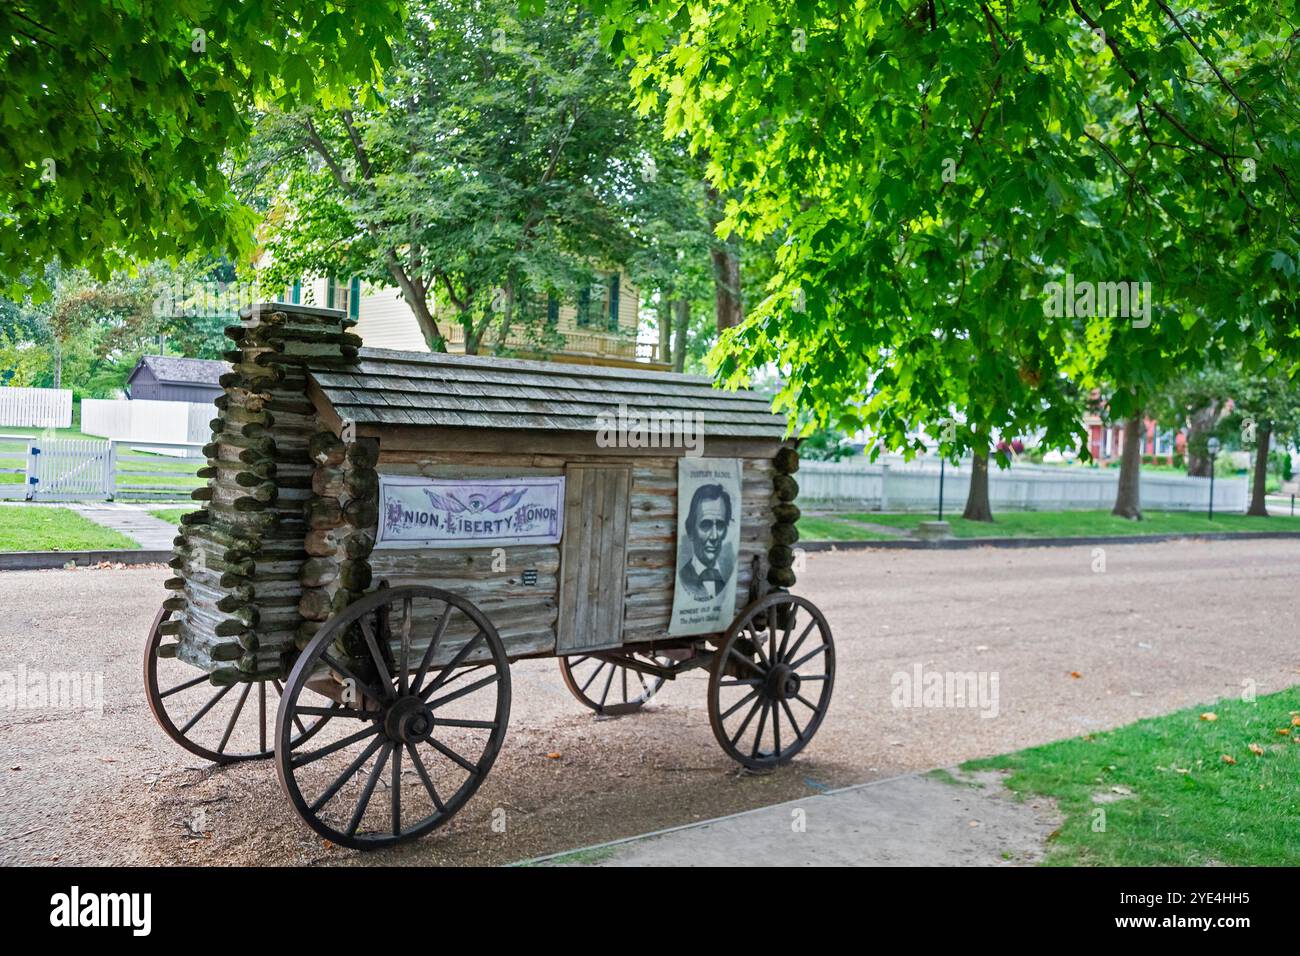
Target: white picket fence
[[142, 421], [895, 485], [36, 407]]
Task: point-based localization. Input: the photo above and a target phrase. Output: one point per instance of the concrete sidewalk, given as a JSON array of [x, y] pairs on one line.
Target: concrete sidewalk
[[939, 819], [152, 533]]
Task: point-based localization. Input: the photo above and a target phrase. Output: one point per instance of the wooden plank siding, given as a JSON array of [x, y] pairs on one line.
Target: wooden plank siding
[[528, 617]]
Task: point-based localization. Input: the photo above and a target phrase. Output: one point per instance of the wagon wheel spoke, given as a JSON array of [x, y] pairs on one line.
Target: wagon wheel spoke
[[185, 686], [795, 665], [346, 775], [424, 776], [396, 787], [799, 643], [757, 643], [336, 710], [599, 667], [303, 759], [740, 703], [364, 800], [261, 715], [234, 719], [368, 633], [451, 755], [457, 694], [439, 629], [745, 723], [789, 714], [404, 667], [609, 681], [447, 675], [207, 707], [459, 722], [279, 689], [758, 734], [746, 661]]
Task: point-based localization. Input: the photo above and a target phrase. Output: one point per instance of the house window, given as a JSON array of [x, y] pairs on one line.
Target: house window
[[613, 302], [344, 296], [1164, 443], [552, 311], [296, 295]]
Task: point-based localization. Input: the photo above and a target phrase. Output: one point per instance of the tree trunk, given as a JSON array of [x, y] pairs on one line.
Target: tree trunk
[[1199, 423], [726, 283], [1263, 434], [726, 268], [417, 298], [682, 320], [1128, 502], [665, 314], [977, 499]]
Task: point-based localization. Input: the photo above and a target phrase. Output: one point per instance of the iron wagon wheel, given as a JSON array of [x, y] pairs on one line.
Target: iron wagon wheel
[[407, 672], [776, 663], [609, 687], [219, 724]]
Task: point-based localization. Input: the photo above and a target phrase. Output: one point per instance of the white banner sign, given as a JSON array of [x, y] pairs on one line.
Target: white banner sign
[[417, 512]]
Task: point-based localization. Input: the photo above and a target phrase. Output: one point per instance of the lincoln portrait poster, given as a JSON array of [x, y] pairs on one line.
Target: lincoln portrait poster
[[708, 539]]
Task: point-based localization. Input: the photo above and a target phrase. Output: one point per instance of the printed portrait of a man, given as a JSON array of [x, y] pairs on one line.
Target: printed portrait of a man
[[709, 566]]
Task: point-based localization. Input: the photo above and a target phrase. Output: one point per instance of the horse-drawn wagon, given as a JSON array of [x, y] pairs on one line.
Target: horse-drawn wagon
[[383, 532]]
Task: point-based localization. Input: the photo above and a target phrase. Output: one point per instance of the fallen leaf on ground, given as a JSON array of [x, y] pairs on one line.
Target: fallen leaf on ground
[[1075, 674], [1227, 759], [1284, 731], [554, 755], [1257, 750], [1209, 715]]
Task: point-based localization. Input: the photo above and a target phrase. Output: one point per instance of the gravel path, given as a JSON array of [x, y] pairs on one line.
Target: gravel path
[[1164, 626]]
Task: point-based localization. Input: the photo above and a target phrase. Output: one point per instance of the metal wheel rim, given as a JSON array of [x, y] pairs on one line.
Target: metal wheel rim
[[156, 697], [732, 721], [372, 729], [606, 678]]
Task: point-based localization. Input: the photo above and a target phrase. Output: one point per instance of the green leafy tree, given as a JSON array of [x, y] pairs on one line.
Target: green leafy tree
[[933, 167], [117, 120], [493, 170]]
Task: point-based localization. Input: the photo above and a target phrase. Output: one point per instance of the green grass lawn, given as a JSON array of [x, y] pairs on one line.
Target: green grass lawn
[[823, 528], [39, 528], [171, 515], [1039, 524], [1171, 797]]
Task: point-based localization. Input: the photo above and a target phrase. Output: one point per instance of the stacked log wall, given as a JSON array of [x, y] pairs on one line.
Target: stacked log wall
[[239, 560]]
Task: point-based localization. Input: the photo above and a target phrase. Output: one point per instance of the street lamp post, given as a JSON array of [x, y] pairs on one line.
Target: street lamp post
[[1213, 447], [941, 461]]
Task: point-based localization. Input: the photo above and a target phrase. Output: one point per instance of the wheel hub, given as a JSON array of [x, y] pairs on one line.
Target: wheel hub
[[782, 682], [409, 720]]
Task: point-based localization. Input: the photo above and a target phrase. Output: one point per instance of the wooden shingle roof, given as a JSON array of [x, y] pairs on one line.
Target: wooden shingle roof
[[388, 387]]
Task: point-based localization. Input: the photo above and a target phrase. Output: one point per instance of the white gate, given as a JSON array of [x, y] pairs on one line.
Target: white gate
[[68, 469]]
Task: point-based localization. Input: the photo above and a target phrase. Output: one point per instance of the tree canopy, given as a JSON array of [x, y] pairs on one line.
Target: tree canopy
[[118, 121], [934, 167]]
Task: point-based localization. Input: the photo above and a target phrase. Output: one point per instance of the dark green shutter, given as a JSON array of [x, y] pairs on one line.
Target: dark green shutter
[[552, 310], [297, 292], [613, 302], [354, 298], [584, 305], [329, 292]]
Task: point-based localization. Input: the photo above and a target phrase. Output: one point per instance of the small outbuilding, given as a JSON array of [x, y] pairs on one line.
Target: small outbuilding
[[165, 378]]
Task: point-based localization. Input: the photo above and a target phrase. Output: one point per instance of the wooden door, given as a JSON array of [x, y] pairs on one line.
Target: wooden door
[[593, 557]]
